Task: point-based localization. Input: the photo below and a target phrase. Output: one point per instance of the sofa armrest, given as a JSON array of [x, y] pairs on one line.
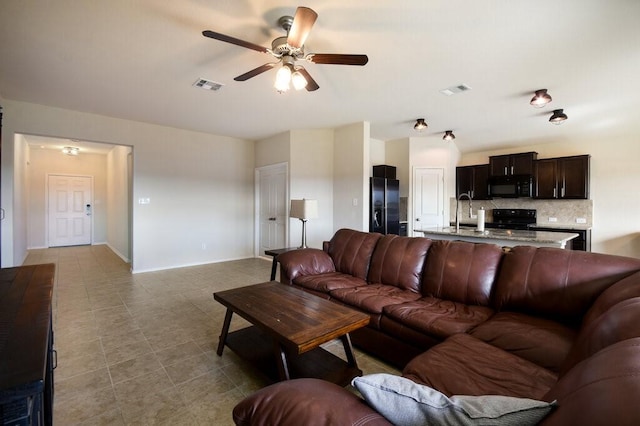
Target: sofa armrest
[[298, 263], [306, 402]]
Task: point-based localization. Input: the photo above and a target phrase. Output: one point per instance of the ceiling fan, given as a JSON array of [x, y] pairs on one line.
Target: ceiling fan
[[289, 49]]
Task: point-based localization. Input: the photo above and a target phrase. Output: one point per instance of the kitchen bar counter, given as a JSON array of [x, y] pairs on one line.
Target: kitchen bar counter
[[501, 237]]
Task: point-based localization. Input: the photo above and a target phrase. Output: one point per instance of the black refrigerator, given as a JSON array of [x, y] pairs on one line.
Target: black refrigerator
[[385, 206]]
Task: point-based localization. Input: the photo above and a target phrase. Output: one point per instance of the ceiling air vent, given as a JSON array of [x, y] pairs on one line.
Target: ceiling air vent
[[207, 84], [453, 90]]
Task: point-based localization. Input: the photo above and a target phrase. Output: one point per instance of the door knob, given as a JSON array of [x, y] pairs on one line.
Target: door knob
[[417, 219]]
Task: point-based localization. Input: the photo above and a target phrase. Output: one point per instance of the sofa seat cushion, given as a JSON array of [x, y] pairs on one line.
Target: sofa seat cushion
[[541, 341], [465, 365], [373, 297], [437, 317], [308, 402], [324, 283]]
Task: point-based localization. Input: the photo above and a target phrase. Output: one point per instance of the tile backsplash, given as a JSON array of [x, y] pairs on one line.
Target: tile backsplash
[[566, 212]]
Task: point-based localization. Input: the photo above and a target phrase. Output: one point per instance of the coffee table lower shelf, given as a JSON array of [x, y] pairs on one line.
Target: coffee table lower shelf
[[259, 349]]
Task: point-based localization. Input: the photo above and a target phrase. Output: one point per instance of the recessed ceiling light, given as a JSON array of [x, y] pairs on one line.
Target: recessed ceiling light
[[203, 83]]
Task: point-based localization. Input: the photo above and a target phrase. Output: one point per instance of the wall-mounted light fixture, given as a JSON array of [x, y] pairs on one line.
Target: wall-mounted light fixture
[[70, 150], [420, 125], [558, 117], [448, 135], [540, 99]]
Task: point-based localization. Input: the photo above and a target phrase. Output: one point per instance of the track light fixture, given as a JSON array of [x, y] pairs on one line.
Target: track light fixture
[[420, 125], [448, 135], [558, 117], [540, 99]]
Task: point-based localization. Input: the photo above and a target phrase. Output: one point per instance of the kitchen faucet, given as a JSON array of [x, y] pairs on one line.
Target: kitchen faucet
[[464, 194]]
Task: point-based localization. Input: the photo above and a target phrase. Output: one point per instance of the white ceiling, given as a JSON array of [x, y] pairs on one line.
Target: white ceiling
[[138, 60]]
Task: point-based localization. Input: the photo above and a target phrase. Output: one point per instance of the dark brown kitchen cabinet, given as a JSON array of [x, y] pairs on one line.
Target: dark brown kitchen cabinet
[[562, 178], [473, 180], [512, 164]]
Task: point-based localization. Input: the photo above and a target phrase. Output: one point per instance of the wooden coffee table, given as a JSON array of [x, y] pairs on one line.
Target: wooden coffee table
[[289, 325]]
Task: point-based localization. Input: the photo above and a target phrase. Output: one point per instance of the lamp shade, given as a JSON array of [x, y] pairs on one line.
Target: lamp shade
[[304, 209]]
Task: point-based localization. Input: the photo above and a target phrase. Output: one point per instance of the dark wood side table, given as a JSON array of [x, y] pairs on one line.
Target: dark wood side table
[[274, 253], [27, 358]]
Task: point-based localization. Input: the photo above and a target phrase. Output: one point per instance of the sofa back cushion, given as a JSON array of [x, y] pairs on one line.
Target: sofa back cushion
[[351, 251], [461, 271], [601, 390], [618, 323], [624, 289], [556, 283], [398, 261]]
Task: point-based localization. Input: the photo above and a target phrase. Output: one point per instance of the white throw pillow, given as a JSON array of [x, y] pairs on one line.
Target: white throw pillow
[[404, 402]]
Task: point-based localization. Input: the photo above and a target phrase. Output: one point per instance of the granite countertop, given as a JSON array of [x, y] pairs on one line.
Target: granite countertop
[[503, 234]]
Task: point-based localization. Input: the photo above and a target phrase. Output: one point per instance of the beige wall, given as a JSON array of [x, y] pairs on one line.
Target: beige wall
[[200, 186], [351, 162], [119, 203], [311, 176]]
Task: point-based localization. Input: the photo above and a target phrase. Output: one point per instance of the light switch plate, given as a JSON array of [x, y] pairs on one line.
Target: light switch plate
[[581, 220], [553, 219]]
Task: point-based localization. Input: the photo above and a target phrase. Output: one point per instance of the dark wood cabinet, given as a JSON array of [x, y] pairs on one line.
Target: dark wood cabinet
[[473, 180], [27, 358], [562, 178], [512, 164]]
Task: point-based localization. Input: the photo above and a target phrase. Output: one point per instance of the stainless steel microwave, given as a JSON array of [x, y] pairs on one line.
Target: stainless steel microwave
[[513, 186]]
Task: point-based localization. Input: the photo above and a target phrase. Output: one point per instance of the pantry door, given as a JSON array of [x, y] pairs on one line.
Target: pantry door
[[428, 198], [70, 210]]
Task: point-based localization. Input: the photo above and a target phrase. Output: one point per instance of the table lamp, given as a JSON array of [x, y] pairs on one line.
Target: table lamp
[[304, 209]]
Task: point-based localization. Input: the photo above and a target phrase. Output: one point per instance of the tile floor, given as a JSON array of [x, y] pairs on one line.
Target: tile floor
[[140, 349]]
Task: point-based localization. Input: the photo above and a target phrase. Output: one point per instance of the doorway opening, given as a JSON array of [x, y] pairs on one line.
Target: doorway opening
[[76, 199]]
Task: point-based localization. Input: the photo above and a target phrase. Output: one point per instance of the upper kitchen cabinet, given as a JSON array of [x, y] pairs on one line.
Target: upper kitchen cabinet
[[512, 164], [562, 178], [473, 180]]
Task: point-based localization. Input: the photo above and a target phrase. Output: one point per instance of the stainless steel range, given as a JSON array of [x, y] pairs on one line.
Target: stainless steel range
[[513, 219]]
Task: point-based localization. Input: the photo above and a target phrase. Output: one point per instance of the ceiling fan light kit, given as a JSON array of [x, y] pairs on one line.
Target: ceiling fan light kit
[[288, 49]]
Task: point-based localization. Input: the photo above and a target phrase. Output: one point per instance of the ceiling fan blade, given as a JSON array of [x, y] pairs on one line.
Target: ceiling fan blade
[[233, 40], [311, 83], [255, 71], [301, 27], [337, 59]]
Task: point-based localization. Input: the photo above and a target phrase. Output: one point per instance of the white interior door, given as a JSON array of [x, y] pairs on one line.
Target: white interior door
[[272, 201], [428, 198], [70, 210]]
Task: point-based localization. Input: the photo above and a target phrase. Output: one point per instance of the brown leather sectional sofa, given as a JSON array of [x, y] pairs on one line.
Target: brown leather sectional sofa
[[473, 319]]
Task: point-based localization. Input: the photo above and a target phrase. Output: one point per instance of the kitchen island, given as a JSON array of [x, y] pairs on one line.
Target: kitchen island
[[501, 237]]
